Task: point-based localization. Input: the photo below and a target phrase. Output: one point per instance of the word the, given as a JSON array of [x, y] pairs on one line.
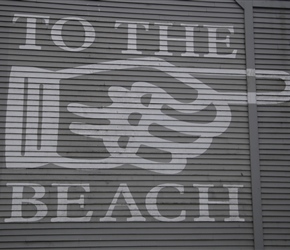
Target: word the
[[132, 28]]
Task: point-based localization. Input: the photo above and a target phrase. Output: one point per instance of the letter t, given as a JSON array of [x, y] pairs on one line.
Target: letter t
[[30, 42]]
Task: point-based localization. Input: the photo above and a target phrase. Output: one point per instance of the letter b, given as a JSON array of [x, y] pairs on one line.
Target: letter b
[[18, 201]]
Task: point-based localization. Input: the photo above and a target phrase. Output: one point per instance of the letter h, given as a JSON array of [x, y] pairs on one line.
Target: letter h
[[232, 202]]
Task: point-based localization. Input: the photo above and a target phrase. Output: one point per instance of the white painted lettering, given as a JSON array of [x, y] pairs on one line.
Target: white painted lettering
[[30, 42], [163, 39], [56, 34], [130, 204], [35, 209], [132, 35], [213, 40], [18, 201], [151, 203], [204, 202], [63, 202], [133, 29]]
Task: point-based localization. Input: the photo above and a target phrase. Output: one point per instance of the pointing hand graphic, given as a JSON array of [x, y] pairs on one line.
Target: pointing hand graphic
[[148, 128], [135, 113]]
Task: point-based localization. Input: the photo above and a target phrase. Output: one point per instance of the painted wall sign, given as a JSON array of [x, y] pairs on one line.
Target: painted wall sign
[[133, 116], [131, 28], [130, 117], [33, 121], [123, 190]]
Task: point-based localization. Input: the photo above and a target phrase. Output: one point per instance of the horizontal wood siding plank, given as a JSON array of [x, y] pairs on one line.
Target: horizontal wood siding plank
[[111, 144], [272, 46]]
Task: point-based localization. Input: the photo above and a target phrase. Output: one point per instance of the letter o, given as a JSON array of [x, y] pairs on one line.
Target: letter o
[[57, 36]]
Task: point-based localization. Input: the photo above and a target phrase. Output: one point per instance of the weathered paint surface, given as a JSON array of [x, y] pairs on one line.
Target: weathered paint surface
[[127, 125]]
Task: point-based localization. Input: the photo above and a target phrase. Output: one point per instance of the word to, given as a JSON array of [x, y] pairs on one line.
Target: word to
[[216, 35]]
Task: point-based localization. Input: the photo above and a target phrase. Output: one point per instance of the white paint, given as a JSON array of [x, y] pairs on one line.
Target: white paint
[[119, 111], [18, 201], [214, 40], [123, 190], [252, 97], [29, 151], [163, 39], [56, 34], [63, 202], [132, 28], [152, 207], [204, 202], [30, 42], [233, 203], [132, 34], [273, 97], [251, 72], [119, 126], [269, 97]]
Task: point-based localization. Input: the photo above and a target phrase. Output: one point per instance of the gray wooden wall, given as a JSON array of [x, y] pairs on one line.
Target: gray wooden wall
[[155, 125], [272, 53]]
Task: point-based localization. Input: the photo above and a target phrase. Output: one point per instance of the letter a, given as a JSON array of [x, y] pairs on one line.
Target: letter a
[[130, 203]]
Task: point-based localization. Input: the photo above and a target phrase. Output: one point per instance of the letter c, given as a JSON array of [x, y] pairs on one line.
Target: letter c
[[151, 203]]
